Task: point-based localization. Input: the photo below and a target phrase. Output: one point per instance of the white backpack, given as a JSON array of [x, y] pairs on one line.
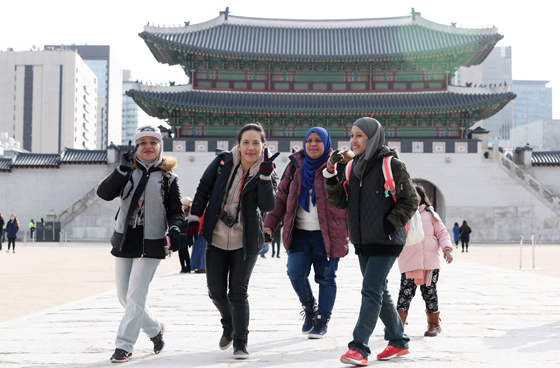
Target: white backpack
[[414, 229]]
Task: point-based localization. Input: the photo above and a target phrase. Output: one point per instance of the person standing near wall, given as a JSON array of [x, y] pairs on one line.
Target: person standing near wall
[[150, 206], [377, 230], [419, 265], [465, 236], [184, 257], [234, 191], [31, 229], [456, 232], [2, 226], [315, 233], [12, 228]]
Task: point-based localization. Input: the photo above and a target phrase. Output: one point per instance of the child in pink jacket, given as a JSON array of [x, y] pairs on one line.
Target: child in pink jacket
[[419, 264]]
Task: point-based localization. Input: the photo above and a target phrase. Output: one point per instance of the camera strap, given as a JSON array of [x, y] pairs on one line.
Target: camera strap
[[240, 189]]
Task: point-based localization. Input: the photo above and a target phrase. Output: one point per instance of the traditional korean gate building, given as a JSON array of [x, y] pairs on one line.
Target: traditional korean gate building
[[291, 75]]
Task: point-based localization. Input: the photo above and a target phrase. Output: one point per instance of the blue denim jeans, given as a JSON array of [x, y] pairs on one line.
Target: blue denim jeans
[[308, 249], [377, 303]]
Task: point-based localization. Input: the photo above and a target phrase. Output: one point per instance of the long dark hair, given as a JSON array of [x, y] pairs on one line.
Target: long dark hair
[[423, 196], [465, 226], [253, 126]]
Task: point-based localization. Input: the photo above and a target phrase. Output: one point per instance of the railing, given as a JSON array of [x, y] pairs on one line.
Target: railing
[[533, 186]]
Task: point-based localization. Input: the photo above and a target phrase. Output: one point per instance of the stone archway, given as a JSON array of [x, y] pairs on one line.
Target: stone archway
[[435, 195]]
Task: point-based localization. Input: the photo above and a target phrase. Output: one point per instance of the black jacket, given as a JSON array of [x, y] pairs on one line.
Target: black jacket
[[368, 206], [258, 196]]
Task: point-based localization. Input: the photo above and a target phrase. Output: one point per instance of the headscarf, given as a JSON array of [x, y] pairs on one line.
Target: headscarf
[[310, 166], [376, 139]]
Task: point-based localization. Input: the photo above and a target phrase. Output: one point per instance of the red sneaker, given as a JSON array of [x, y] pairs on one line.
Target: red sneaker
[[391, 352], [353, 357]]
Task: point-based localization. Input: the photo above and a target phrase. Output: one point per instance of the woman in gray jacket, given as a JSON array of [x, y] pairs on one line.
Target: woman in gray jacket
[[150, 206]]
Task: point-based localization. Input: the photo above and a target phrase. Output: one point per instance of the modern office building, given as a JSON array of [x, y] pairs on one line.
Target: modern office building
[[102, 60], [495, 71], [48, 100], [130, 110], [541, 135], [533, 102]]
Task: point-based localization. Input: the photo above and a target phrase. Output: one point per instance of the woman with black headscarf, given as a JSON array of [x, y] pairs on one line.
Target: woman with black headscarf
[[377, 229]]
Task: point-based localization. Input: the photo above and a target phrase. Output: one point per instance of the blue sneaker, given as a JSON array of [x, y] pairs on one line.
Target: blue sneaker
[[319, 330], [308, 313]]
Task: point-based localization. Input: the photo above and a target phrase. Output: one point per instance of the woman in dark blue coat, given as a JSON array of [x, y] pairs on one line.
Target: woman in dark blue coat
[[12, 228]]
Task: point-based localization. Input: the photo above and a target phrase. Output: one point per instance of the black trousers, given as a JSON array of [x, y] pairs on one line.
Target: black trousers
[[225, 267], [429, 293], [184, 257], [12, 241]]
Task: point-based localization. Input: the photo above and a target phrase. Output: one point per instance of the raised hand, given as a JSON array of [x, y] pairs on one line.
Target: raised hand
[[335, 158], [267, 166], [127, 158]]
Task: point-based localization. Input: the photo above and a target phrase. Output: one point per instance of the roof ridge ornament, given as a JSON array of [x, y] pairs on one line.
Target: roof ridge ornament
[[226, 12], [414, 14]]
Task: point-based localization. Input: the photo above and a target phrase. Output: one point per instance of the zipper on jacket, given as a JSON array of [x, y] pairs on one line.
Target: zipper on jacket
[[144, 227]]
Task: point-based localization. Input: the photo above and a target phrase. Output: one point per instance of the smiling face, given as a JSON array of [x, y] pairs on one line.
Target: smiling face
[[250, 147], [148, 148], [314, 146], [358, 140]]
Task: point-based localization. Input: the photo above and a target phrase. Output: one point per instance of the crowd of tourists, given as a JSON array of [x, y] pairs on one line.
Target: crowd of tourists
[[324, 200]]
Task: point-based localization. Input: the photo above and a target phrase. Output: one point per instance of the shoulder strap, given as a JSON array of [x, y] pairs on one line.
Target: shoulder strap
[[133, 203], [347, 177], [389, 180]]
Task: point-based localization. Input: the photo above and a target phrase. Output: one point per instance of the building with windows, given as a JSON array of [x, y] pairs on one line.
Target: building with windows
[[130, 110], [102, 60], [495, 71], [48, 100], [533, 102]]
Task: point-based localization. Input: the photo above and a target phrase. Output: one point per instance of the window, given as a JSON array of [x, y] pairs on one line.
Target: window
[[240, 85], [301, 86], [258, 85], [222, 84], [417, 85], [319, 86], [358, 86], [435, 85], [204, 84], [339, 87], [281, 85], [399, 85], [381, 86]]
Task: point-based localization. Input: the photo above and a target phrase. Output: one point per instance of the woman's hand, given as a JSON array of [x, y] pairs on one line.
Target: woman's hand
[[268, 231], [447, 255], [267, 166]]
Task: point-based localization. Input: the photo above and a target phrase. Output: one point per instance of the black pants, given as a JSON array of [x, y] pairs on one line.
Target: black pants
[[12, 241], [223, 266], [276, 242], [429, 293], [464, 244], [184, 257]]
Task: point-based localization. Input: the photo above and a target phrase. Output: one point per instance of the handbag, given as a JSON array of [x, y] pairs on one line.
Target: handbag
[[414, 229], [117, 239]]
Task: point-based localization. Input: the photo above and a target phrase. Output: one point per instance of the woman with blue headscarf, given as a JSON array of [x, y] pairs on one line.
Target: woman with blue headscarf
[[315, 233]]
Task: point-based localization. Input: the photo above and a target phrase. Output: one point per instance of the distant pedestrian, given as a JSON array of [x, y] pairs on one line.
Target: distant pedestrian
[[465, 236], [456, 233], [31, 229], [12, 228], [2, 227], [276, 240], [184, 256], [150, 206], [377, 230], [315, 233], [419, 264], [266, 243], [236, 188]]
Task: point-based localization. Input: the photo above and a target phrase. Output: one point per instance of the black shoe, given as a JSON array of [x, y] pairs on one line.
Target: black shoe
[[240, 347], [278, 256], [158, 340], [308, 313], [120, 356], [226, 339], [320, 326]]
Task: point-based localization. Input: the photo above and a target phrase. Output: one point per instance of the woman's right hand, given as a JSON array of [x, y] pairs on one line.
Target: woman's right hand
[[268, 231]]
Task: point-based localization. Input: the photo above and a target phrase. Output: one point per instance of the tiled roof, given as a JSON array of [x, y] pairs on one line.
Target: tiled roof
[[5, 164], [70, 155], [22, 159], [311, 102], [550, 158], [349, 39]]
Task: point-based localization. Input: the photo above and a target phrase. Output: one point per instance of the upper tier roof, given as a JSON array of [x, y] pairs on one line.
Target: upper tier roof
[[367, 39]]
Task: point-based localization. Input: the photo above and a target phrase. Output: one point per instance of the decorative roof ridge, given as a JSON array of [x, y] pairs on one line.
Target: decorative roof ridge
[[176, 88], [479, 90], [319, 24]]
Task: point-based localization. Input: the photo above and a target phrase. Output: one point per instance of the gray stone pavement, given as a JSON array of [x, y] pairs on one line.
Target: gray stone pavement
[[491, 317]]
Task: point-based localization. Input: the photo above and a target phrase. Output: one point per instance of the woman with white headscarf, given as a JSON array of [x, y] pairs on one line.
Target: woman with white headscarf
[[376, 226], [150, 208]]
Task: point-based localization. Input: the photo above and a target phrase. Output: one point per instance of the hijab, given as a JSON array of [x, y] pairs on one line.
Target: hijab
[[374, 131], [310, 166], [155, 162]]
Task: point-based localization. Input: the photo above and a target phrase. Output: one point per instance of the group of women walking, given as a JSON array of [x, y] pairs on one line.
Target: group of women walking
[[324, 200]]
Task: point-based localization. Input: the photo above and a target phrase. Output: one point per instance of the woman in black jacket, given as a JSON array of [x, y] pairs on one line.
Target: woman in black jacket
[[139, 241], [377, 230], [464, 233], [236, 188]]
